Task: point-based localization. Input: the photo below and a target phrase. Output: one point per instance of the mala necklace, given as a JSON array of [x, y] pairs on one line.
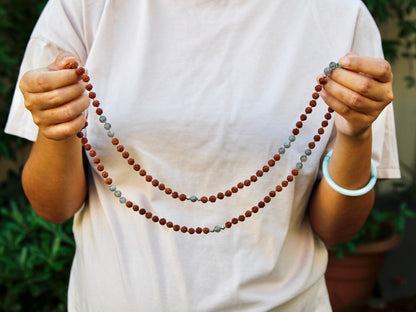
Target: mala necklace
[[206, 198]]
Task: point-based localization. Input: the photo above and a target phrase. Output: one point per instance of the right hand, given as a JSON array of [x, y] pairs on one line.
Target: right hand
[[56, 98]]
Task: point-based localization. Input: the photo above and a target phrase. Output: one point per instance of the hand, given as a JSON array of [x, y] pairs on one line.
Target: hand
[[56, 98], [358, 92]]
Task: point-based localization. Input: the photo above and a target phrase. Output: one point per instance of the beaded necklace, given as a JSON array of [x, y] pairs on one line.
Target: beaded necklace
[[205, 198]]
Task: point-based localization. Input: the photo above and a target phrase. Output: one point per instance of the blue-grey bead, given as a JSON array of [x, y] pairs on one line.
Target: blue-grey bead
[[107, 126], [308, 152], [292, 138], [299, 166], [117, 194], [287, 144], [193, 198], [110, 133], [327, 70], [217, 229], [113, 188], [333, 65], [303, 158], [123, 200], [282, 150], [103, 119]]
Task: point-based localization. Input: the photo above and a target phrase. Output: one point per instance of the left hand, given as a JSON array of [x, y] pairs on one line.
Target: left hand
[[358, 92]]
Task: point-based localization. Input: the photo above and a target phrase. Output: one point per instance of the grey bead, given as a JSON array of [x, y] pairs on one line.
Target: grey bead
[[299, 166], [102, 119], [282, 150], [333, 65], [327, 70], [123, 200], [292, 138], [107, 126], [117, 194], [193, 198], [113, 188], [287, 144], [308, 152], [303, 158], [110, 133], [217, 229]]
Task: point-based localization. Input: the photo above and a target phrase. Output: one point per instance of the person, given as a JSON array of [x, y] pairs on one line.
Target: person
[[199, 100]]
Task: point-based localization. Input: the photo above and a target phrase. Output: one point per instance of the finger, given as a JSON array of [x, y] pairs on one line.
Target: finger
[[65, 130], [378, 68], [62, 60], [351, 99], [54, 98], [362, 84], [63, 113]]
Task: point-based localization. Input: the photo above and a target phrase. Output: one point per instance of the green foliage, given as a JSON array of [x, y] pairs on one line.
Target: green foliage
[[35, 255]]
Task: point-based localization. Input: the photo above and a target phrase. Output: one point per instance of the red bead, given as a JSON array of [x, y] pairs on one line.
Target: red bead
[[228, 224], [279, 188], [295, 131], [228, 193], [142, 172], [96, 160], [266, 168], [295, 172], [321, 131], [120, 148], [129, 204], [308, 110], [93, 153], [136, 167], [261, 204], [289, 178], [148, 215], [299, 124], [155, 219], [168, 191], [125, 155], [191, 231], [108, 181], [267, 199], [182, 197], [241, 218], [315, 95], [330, 110], [80, 71], [149, 178], [142, 211], [130, 161], [311, 145], [312, 103], [155, 183], [322, 80], [303, 117], [184, 229], [175, 195], [240, 185], [220, 195], [80, 134], [255, 209], [324, 123], [104, 174], [84, 141], [248, 214], [85, 78], [318, 88], [100, 167], [204, 199], [253, 178], [88, 87], [96, 103], [92, 95], [285, 183], [272, 194], [234, 221], [206, 230], [162, 221], [198, 230], [162, 187], [212, 199], [328, 116], [234, 189], [276, 157], [99, 111], [135, 208], [316, 138], [169, 224], [247, 182], [259, 173], [115, 141], [176, 227]]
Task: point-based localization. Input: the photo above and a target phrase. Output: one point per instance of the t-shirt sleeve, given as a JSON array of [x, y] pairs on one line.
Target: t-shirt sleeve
[[58, 29], [367, 41]]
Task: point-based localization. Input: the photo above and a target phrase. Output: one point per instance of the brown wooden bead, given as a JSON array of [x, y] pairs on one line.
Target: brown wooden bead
[[315, 95], [129, 204], [149, 178], [92, 95], [125, 155], [234, 221], [266, 168], [96, 103], [182, 197], [228, 193], [271, 162], [248, 213], [176, 227], [135, 208], [228, 224], [321, 131], [80, 134], [303, 117], [168, 191], [295, 131], [212, 199], [96, 160], [255, 209], [318, 88], [148, 215], [93, 153], [322, 81], [67, 66], [204, 199], [80, 71], [247, 182], [289, 178], [276, 157], [184, 229], [99, 111], [142, 172], [328, 116], [104, 174], [155, 219], [85, 78], [142, 211], [155, 182], [259, 173], [120, 148], [162, 221], [295, 172], [88, 87], [312, 103], [115, 141], [240, 185], [191, 231], [311, 145], [220, 195], [324, 123], [84, 141], [308, 110], [299, 124], [198, 230], [234, 189], [108, 181], [279, 188], [206, 230], [330, 110], [162, 187], [175, 195], [272, 194], [285, 183], [261, 204], [253, 178], [241, 218], [316, 138], [267, 199], [169, 224]]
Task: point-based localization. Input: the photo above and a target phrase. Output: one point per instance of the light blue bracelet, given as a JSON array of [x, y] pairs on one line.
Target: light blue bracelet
[[342, 190]]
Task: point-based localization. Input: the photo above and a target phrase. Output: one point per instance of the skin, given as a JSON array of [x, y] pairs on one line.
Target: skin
[[56, 99]]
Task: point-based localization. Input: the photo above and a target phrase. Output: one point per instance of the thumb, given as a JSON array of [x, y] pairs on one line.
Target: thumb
[[63, 59]]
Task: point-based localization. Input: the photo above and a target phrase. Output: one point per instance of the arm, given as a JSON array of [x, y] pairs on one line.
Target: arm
[[358, 94], [53, 177]]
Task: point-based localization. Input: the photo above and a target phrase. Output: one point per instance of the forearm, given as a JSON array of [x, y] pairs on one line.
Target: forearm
[[336, 218], [54, 178]]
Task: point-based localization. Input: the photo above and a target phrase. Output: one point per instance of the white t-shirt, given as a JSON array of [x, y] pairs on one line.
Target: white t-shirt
[[202, 94]]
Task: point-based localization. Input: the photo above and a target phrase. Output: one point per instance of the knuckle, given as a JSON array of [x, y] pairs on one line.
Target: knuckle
[[354, 100], [42, 82], [385, 68], [53, 98], [365, 86]]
